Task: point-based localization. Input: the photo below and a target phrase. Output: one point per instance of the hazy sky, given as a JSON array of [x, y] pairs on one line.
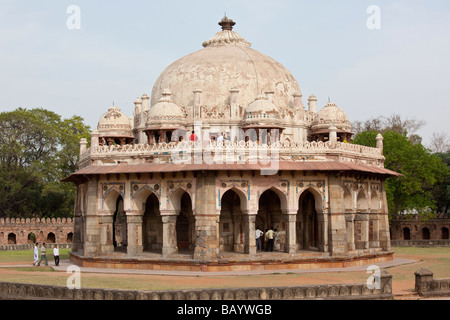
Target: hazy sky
[[123, 46]]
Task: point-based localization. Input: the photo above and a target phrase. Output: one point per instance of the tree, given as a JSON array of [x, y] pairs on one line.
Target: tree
[[421, 171], [440, 142], [381, 124], [37, 150], [441, 191]]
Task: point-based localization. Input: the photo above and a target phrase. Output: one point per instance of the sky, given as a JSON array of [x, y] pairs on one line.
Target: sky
[[394, 59]]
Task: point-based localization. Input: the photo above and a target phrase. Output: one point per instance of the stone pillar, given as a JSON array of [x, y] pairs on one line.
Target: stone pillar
[[290, 243], [250, 233], [206, 217], [238, 246], [169, 234], [92, 232], [322, 219], [83, 146], [365, 230], [424, 278], [384, 234], [337, 224], [134, 233], [350, 226], [375, 241], [106, 233], [206, 237]]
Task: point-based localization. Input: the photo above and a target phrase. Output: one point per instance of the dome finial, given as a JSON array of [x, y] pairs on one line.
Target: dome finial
[[227, 24]]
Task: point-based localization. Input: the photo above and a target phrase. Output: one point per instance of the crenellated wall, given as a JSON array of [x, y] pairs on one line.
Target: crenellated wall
[[19, 231]]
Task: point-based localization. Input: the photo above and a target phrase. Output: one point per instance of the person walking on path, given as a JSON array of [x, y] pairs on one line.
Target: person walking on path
[[36, 254], [259, 233], [56, 255], [43, 255]]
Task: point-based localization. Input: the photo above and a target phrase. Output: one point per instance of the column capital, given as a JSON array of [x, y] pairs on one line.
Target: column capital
[[253, 212], [168, 213], [290, 211]]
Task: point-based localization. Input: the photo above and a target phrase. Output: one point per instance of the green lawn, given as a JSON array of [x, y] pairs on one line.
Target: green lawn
[[27, 255]]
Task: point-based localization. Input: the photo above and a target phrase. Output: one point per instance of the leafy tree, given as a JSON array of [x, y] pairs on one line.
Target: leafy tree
[[441, 191], [421, 171], [37, 150]]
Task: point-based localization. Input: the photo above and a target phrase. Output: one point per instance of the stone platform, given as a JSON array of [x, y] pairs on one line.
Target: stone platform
[[228, 262]]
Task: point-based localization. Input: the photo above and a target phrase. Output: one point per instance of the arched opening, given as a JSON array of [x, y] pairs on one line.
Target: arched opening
[[31, 238], [307, 224], [348, 200], [185, 224], [425, 234], [362, 204], [269, 216], [406, 234], [444, 233], [51, 238], [231, 230], [119, 226], [152, 227], [69, 237], [11, 238]]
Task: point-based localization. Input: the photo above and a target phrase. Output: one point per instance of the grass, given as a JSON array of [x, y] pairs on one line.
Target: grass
[[435, 259], [27, 255]]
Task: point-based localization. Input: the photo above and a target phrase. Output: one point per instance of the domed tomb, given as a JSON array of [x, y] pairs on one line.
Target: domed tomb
[[330, 115], [114, 128], [226, 62]]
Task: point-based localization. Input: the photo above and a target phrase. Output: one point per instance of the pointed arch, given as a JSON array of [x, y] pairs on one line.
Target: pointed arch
[[348, 199], [110, 197], [283, 198], [243, 199], [174, 199], [231, 223], [362, 203], [140, 197]]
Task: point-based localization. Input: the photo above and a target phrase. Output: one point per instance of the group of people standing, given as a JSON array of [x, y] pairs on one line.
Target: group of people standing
[[271, 240], [37, 261]]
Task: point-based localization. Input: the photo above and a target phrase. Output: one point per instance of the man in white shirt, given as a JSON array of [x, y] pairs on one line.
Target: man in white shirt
[[56, 255], [259, 233], [36, 254]]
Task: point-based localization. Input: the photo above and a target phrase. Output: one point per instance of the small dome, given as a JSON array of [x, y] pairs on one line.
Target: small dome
[[263, 108], [165, 109], [165, 112], [114, 123], [331, 114]]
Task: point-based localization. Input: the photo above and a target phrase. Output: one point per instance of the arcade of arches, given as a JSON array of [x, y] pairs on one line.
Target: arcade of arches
[[208, 215]]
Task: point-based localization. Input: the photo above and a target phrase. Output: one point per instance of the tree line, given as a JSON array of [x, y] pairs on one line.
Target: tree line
[[424, 186], [37, 150]]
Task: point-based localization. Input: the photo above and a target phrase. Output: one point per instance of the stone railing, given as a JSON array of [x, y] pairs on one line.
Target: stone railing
[[359, 291], [429, 287], [239, 150]]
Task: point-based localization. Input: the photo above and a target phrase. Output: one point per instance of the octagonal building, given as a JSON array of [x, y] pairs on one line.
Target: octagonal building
[[225, 145]]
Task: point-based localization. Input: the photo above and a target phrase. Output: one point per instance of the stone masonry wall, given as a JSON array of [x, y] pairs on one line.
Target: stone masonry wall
[[18, 231], [355, 291]]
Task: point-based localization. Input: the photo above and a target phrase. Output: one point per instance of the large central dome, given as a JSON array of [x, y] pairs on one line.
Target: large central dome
[[226, 62]]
